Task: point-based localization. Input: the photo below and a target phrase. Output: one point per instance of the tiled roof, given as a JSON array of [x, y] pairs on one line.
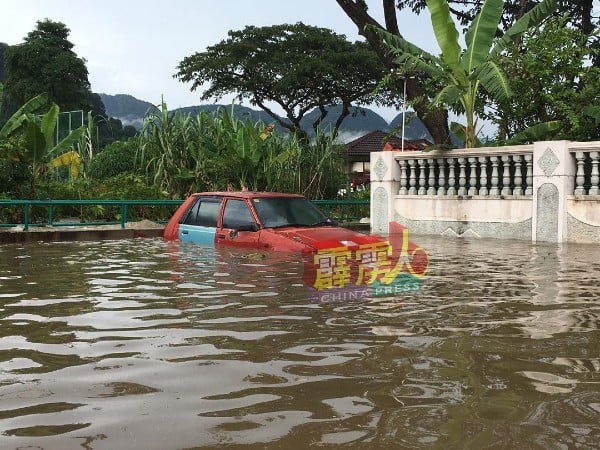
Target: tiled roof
[[376, 140]]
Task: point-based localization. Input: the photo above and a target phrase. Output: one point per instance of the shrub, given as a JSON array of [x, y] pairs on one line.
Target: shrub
[[115, 159]]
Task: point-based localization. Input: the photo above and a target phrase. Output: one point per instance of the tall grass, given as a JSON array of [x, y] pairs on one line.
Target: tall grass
[[217, 151]]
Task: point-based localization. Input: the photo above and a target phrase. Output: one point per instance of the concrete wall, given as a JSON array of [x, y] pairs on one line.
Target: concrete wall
[[548, 212]]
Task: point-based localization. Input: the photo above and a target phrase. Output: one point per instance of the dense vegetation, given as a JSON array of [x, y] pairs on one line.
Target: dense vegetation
[[423, 87]]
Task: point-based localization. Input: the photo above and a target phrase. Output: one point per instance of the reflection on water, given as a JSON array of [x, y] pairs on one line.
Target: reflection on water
[[152, 345]]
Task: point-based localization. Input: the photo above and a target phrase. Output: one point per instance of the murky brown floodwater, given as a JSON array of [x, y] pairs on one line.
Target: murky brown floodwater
[[147, 345]]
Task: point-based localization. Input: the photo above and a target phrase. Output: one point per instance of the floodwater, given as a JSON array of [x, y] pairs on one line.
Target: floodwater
[[143, 344]]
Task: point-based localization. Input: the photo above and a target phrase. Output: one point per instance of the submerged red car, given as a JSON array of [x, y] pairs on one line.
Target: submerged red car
[[259, 220]]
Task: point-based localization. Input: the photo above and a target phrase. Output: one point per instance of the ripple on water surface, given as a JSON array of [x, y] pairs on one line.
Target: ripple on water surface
[[147, 344]]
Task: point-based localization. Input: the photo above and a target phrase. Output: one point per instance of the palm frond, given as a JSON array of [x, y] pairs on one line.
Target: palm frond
[[16, 120]]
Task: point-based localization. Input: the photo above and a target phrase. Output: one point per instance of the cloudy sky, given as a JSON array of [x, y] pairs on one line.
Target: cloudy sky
[[133, 46]]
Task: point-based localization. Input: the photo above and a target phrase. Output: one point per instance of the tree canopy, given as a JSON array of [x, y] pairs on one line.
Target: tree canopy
[[580, 11], [421, 92], [552, 81], [46, 63], [298, 67]]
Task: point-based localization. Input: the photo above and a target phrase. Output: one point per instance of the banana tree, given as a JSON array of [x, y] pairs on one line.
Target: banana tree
[[15, 121], [461, 74], [38, 143]]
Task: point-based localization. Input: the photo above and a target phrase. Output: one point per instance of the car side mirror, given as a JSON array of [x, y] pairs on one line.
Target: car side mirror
[[251, 226], [332, 222]]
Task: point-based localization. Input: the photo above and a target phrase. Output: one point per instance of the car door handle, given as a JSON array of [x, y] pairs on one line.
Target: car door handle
[[221, 236], [184, 232]]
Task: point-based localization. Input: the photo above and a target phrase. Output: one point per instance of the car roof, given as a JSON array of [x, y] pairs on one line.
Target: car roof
[[247, 194]]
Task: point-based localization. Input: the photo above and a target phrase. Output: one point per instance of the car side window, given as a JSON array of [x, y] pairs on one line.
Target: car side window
[[204, 212], [236, 213]]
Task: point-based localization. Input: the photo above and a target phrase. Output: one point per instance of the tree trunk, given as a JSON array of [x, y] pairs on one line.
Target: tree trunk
[[436, 121]]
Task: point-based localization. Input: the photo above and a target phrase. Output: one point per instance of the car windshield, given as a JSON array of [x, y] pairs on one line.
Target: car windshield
[[288, 211]]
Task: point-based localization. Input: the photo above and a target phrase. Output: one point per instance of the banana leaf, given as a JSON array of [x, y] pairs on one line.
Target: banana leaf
[[15, 121], [481, 33], [445, 33]]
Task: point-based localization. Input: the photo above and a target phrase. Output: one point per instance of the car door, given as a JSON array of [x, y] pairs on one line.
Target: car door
[[199, 224], [239, 227]]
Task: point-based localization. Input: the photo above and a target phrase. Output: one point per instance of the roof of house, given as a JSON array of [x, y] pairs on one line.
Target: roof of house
[[375, 141]]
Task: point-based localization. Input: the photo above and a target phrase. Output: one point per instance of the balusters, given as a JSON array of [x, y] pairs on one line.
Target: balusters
[[431, 182], [494, 190], [528, 174], [518, 159], [451, 176], [472, 176], [421, 164], [403, 178], [484, 180], [580, 177], [412, 177], [595, 178], [462, 176], [506, 176], [441, 162]]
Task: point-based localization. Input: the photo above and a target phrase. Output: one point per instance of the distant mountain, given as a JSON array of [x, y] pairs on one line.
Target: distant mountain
[[127, 108], [131, 111], [240, 111], [413, 129], [360, 122]]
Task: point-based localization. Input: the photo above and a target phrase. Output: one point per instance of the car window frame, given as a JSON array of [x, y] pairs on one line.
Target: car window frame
[[197, 203]]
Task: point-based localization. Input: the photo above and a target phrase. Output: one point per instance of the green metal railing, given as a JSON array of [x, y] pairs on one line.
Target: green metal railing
[[50, 205], [341, 210]]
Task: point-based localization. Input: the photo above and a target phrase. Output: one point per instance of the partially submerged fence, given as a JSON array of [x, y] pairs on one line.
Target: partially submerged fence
[[53, 211]]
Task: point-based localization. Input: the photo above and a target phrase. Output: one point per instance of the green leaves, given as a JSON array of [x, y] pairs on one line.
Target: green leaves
[[297, 66], [480, 35], [214, 152], [445, 32], [460, 75], [532, 18], [494, 80], [46, 63], [16, 120], [538, 132]]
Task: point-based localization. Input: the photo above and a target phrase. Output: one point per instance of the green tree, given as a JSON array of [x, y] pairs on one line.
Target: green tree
[[552, 80], [462, 74], [46, 63], [298, 67]]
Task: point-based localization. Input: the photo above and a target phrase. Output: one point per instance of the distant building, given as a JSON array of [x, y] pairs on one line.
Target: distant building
[[359, 150]]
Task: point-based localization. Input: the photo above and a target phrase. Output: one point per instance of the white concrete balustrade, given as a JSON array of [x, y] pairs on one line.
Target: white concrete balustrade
[[485, 172], [547, 191]]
